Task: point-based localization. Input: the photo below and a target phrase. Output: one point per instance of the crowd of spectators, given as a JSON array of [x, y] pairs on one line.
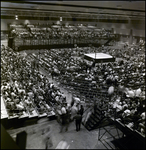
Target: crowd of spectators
[[24, 89], [66, 62], [68, 65], [20, 33], [70, 68], [60, 32]]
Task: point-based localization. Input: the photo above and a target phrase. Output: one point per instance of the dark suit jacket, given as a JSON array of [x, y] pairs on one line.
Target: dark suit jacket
[[64, 118], [78, 118]]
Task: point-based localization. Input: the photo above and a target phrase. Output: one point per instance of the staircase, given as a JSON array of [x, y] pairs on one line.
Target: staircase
[[95, 118]]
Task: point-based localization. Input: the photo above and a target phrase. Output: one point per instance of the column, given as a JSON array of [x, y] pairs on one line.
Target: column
[[131, 37]]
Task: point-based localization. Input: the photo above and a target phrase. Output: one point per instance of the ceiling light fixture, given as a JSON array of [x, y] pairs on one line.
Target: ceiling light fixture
[[16, 17]]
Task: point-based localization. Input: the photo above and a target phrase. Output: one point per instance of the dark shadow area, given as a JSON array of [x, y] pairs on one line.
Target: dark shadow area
[[6, 140], [128, 142]]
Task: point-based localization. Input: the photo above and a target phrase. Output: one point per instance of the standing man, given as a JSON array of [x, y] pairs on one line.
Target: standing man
[[81, 110], [78, 120]]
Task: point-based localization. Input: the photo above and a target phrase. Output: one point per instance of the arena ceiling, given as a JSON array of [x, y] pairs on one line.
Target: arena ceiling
[[79, 9]]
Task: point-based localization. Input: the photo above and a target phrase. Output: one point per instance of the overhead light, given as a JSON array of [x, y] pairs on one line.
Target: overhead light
[[16, 17]]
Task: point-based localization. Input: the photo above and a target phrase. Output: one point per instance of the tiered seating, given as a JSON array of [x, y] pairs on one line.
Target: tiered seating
[[19, 31], [26, 92], [32, 35]]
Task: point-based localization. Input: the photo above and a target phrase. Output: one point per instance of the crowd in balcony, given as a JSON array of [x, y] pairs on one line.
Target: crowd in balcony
[[20, 33], [60, 32]]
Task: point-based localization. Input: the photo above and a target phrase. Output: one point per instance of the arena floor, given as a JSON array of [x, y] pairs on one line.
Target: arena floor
[[83, 139]]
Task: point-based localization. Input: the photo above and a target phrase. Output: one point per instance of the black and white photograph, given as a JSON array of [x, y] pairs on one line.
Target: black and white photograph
[[73, 74]]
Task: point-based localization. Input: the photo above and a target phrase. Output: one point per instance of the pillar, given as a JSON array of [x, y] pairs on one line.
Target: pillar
[[131, 37]]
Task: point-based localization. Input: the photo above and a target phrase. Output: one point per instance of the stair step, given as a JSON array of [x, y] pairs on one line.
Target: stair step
[[94, 121], [91, 120], [89, 129], [90, 125], [87, 126], [98, 112], [95, 118]]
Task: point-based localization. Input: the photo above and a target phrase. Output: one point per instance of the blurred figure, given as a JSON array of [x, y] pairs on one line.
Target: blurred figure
[[111, 92], [62, 145], [58, 114], [47, 138], [87, 115], [64, 120], [68, 110], [74, 111]]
